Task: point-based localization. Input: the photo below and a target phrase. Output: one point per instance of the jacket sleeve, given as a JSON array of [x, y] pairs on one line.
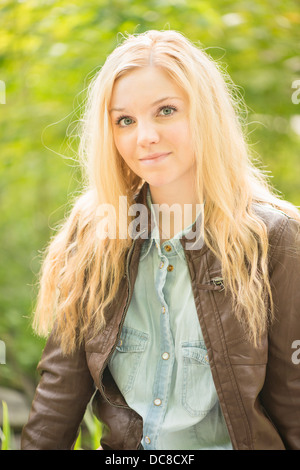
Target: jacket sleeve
[[60, 401], [281, 391]]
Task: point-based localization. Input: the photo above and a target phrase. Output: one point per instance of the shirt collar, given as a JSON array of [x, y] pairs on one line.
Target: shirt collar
[[154, 239]]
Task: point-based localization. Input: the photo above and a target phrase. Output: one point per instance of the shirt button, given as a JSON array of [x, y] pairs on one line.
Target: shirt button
[[161, 265], [163, 310], [170, 267], [157, 402], [165, 356], [206, 358], [168, 248], [147, 439]]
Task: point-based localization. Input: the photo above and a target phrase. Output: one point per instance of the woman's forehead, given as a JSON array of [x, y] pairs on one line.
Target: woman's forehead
[[149, 84]]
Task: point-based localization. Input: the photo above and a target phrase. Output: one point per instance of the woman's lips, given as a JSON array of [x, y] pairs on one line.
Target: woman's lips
[[154, 158]]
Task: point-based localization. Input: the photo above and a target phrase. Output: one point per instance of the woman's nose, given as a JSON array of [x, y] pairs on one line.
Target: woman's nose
[[147, 134]]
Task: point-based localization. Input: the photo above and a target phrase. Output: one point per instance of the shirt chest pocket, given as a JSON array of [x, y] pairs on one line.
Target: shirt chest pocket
[[125, 361], [198, 391]]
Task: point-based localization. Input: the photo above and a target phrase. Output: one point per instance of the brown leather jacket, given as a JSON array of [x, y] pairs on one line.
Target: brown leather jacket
[[258, 389]]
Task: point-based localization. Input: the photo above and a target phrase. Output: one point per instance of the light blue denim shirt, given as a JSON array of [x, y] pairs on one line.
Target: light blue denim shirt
[[160, 364]]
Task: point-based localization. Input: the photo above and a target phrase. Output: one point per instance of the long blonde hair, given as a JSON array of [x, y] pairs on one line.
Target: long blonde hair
[[81, 273]]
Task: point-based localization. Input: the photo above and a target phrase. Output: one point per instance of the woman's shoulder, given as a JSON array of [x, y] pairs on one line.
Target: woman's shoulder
[[283, 228], [272, 216]]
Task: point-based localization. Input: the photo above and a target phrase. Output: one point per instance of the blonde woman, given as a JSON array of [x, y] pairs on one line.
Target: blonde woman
[[183, 324]]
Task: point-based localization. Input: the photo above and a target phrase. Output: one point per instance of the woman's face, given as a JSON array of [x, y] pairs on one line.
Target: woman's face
[[149, 114]]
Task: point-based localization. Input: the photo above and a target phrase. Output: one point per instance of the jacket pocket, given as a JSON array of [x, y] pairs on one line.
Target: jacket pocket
[[198, 391], [126, 358]]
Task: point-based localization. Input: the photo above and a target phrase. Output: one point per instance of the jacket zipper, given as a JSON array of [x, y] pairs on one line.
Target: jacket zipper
[[218, 282], [215, 284]]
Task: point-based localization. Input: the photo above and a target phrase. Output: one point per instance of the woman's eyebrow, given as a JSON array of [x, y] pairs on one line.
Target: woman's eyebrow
[[153, 104]]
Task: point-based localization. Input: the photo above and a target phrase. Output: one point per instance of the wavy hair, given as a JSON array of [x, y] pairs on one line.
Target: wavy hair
[[81, 273]]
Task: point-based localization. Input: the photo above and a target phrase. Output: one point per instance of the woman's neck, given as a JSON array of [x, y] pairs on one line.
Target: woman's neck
[[175, 209]]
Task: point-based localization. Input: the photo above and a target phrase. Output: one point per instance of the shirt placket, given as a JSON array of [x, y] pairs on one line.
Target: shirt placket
[[165, 362]]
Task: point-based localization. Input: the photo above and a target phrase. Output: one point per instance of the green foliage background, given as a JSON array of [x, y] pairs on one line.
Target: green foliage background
[[49, 50]]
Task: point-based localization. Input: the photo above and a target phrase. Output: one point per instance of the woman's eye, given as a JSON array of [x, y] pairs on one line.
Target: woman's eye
[[125, 121], [167, 110]]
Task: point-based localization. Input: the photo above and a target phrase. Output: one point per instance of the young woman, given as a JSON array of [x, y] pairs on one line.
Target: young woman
[[185, 332]]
